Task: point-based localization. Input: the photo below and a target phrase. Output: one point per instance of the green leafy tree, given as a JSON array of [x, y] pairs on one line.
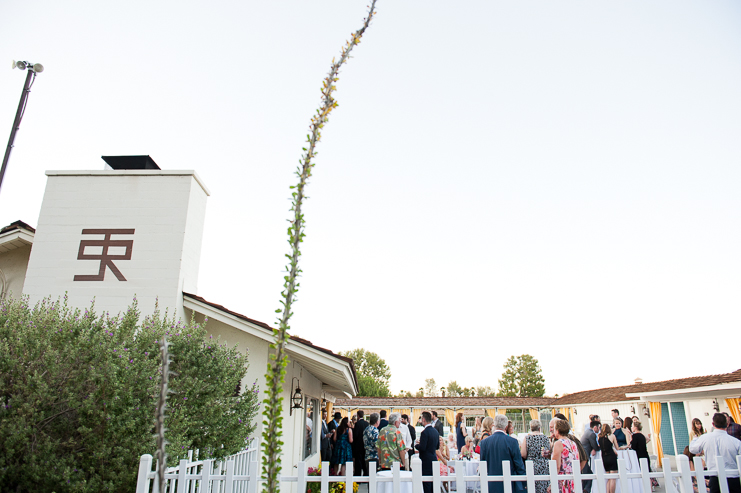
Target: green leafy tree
[[278, 360], [78, 395], [485, 391], [454, 390], [430, 388], [522, 377], [373, 373]]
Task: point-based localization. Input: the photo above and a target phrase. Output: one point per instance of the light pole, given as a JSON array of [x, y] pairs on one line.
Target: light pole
[[33, 69]]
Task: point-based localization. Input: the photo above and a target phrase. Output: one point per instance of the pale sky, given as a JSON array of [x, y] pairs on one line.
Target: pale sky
[[557, 178]]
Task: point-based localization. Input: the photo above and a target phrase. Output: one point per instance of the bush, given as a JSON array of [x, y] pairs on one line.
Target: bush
[[78, 394]]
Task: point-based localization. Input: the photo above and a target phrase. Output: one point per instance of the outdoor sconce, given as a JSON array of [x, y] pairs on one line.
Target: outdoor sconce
[[716, 406], [297, 400], [575, 411], [632, 410], [646, 413]]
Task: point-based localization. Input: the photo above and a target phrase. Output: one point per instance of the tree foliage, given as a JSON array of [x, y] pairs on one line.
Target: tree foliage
[[454, 390], [276, 371], [373, 373], [78, 395], [485, 391], [522, 377], [430, 388]]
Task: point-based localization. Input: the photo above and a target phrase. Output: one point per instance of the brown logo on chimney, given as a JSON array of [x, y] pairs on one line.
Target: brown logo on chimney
[[106, 260]]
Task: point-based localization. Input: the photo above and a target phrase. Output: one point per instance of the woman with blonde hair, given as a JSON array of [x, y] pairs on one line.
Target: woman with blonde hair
[[443, 456], [609, 447], [460, 431], [486, 430]]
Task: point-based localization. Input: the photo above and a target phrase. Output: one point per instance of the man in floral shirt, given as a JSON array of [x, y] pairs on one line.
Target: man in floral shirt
[[390, 445], [370, 437]]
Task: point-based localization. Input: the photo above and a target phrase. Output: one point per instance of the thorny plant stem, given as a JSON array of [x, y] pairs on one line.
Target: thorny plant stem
[[272, 443]]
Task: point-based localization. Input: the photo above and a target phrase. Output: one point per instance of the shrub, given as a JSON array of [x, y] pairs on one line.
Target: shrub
[[78, 393]]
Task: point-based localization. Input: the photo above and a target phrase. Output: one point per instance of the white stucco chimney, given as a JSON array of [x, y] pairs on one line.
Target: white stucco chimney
[[110, 235]]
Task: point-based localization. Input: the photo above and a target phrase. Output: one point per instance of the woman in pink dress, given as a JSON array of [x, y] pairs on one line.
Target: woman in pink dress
[[565, 454]]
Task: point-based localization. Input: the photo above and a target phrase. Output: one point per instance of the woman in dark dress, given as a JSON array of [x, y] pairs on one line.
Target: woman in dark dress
[[460, 431], [638, 443], [608, 446], [342, 447], [623, 439]]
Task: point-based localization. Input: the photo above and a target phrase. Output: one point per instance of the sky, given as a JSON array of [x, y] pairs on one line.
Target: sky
[[558, 179]]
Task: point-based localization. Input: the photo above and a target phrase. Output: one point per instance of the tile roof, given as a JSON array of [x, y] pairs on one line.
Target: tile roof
[[617, 394], [17, 225], [443, 402]]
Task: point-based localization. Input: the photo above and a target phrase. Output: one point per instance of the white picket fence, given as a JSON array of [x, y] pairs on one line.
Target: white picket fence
[[204, 477]]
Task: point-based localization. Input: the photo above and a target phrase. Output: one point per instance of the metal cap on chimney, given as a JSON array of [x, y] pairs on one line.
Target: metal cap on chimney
[[639, 380], [130, 162]]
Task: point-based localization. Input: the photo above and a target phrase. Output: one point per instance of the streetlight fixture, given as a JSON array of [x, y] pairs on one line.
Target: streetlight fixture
[[33, 69]]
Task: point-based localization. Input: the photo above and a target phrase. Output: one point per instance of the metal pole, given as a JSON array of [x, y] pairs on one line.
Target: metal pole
[[17, 122]]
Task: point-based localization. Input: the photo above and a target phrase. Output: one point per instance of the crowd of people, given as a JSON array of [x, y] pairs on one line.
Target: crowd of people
[[384, 441]]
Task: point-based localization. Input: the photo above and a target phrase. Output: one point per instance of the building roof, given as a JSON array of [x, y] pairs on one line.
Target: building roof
[[16, 235], [445, 402], [618, 394], [301, 349]]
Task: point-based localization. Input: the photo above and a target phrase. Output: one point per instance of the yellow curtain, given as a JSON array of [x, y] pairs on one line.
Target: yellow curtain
[[553, 413], [416, 413], [343, 413], [330, 416], [502, 411], [403, 411], [563, 411], [734, 410], [450, 418], [491, 413], [655, 408], [353, 411], [534, 414]]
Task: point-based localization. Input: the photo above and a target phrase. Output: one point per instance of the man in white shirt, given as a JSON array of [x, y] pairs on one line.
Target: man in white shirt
[[407, 437], [719, 448]]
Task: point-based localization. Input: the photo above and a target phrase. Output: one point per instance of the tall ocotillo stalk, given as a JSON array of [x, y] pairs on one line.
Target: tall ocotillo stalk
[[272, 443], [160, 417]]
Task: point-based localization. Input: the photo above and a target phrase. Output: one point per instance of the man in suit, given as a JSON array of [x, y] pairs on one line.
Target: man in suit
[[437, 424], [325, 447], [383, 421], [332, 427], [358, 447], [429, 442], [500, 447], [412, 434], [591, 447]]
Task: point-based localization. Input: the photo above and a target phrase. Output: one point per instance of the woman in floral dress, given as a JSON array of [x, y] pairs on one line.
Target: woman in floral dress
[[565, 454], [537, 448]]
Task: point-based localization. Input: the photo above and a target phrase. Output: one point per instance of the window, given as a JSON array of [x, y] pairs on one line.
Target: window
[[311, 423], [674, 429]]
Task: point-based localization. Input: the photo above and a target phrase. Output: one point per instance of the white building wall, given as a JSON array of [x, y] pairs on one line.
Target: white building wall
[[14, 264], [165, 209]]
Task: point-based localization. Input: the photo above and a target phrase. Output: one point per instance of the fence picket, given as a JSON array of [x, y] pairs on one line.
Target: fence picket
[[417, 475], [182, 472], [700, 474], [301, 479], [203, 486], [553, 472], [325, 477], [435, 476], [460, 473], [577, 475], [507, 475], [348, 477], [645, 478], [396, 473], [252, 485], [530, 471], [601, 481], [229, 480], [142, 479], [623, 476], [722, 478], [668, 475], [685, 480], [483, 477], [371, 477]]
